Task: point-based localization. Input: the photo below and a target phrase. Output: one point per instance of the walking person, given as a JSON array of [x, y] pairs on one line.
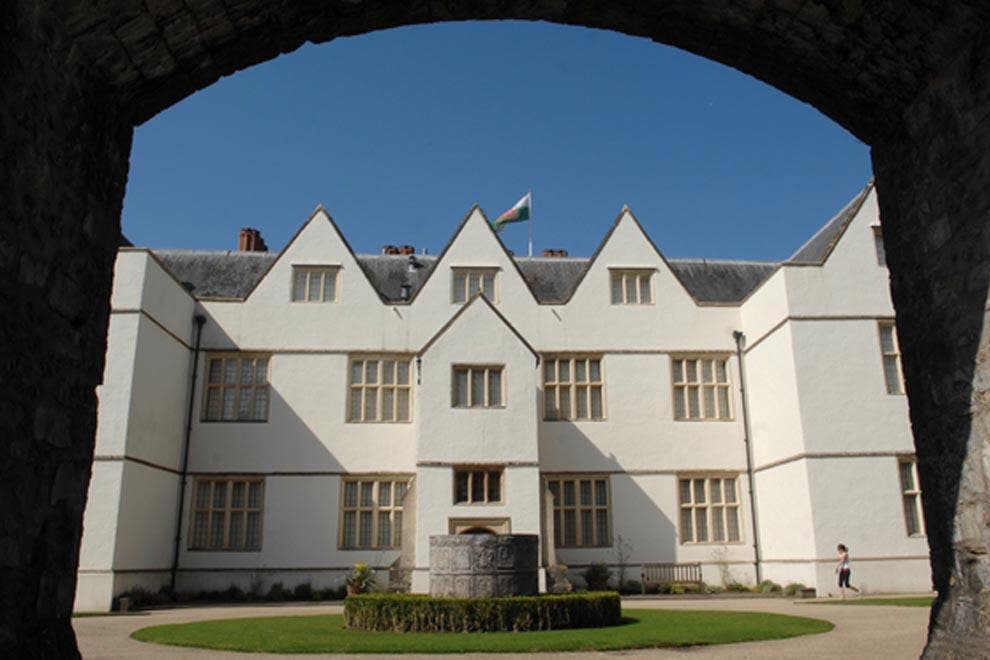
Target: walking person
[[843, 570]]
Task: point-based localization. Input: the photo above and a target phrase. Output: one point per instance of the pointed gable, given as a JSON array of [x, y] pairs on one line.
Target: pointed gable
[[474, 246], [318, 242], [819, 247], [627, 246], [479, 307]]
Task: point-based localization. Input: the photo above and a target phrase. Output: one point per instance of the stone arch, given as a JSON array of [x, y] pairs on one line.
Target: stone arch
[[478, 531], [76, 76]]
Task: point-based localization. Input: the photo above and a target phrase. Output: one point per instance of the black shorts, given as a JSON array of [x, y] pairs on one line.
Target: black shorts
[[844, 577]]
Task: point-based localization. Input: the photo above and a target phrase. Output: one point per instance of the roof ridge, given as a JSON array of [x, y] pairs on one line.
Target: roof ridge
[[748, 262], [841, 219]]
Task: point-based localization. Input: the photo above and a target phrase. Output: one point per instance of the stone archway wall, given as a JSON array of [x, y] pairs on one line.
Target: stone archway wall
[[77, 75]]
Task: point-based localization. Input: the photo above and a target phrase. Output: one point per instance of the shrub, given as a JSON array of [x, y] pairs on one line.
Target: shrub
[[361, 580], [737, 587], [277, 593], [769, 587], [597, 576], [793, 589], [422, 613], [680, 588], [630, 587], [303, 591]]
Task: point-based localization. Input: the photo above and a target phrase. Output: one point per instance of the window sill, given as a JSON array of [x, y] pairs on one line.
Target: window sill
[[704, 419], [223, 549], [233, 421], [709, 543], [577, 421], [406, 421]]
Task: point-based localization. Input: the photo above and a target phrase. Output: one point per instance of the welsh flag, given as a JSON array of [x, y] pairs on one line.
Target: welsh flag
[[518, 213]]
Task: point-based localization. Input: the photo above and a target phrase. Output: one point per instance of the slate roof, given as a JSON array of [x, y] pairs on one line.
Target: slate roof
[[220, 274], [819, 246], [232, 274], [720, 281]]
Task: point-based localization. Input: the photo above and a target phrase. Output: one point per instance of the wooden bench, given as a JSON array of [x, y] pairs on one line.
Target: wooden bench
[[668, 573]]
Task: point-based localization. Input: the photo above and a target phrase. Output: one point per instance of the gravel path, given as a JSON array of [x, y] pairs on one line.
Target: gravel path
[[865, 631]]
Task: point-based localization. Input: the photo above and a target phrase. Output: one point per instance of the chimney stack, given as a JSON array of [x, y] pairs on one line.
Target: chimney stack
[[554, 252], [250, 240]]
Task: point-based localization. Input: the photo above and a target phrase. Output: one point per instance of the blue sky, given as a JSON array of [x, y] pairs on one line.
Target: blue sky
[[398, 133]]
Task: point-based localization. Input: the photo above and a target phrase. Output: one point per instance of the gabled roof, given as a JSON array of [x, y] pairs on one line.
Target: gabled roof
[[721, 281], [471, 301], [817, 249], [453, 239], [552, 280], [231, 275]]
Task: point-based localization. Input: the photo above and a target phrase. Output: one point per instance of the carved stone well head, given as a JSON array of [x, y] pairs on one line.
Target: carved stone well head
[[480, 565]]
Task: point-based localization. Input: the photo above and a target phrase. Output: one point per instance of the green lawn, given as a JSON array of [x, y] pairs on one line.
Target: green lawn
[[326, 634], [905, 601]]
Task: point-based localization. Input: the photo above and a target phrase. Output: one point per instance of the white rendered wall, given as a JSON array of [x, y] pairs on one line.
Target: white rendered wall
[[858, 503], [850, 282], [639, 431], [306, 445], [142, 404], [306, 430], [845, 406]]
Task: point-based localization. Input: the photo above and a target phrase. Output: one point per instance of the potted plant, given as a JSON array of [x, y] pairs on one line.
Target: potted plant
[[362, 579]]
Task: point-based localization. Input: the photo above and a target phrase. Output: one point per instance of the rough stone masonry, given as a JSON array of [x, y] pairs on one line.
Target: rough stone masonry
[[910, 79]]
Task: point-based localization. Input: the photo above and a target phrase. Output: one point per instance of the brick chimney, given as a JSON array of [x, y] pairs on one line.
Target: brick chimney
[[554, 252], [390, 249], [250, 240], [407, 249]]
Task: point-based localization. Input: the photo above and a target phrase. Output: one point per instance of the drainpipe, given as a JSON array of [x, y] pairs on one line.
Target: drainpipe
[[199, 320], [740, 339]]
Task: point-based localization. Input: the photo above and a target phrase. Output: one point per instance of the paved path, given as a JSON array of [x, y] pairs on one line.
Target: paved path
[[862, 631]]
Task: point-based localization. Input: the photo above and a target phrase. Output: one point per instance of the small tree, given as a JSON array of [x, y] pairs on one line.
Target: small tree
[[623, 551]]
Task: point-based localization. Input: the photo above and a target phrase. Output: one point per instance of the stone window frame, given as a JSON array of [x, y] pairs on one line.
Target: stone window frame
[[487, 372], [462, 279], [207, 508], [715, 514], [573, 387], [470, 474], [374, 508], [683, 385], [890, 356], [583, 537], [621, 279], [251, 390], [303, 276], [910, 487], [396, 389]]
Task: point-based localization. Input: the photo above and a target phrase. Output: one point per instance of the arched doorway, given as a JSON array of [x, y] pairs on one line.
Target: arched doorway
[[908, 80]]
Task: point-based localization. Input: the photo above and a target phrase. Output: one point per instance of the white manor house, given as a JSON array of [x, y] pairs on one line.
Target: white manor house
[[278, 417]]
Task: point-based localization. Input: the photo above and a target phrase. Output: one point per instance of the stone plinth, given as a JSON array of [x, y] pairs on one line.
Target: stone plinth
[[475, 566]]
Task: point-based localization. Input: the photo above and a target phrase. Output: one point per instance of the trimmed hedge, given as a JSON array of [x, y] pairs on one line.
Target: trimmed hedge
[[423, 613]]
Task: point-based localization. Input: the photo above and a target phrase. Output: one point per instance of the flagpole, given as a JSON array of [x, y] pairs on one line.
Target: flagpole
[[530, 193]]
